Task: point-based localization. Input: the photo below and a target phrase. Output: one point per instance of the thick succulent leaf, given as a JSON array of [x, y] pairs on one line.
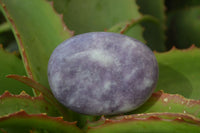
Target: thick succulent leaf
[[34, 122], [94, 15], [99, 15], [184, 27], [33, 105], [46, 92], [154, 33], [163, 102], [130, 27], [28, 81], [179, 72], [67, 114], [153, 122], [11, 64], [38, 30]]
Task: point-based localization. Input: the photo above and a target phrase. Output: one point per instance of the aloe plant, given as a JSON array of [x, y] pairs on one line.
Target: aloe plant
[[28, 105]]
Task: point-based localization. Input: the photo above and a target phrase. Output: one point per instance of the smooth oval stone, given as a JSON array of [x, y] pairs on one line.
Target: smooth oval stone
[[102, 73]]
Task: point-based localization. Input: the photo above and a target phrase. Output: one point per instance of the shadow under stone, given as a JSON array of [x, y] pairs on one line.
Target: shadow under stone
[[172, 81]]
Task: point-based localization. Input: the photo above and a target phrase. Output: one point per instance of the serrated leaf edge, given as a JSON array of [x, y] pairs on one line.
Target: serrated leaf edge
[[22, 95], [22, 113], [61, 18], [46, 92], [192, 47], [24, 55], [179, 117], [165, 97]]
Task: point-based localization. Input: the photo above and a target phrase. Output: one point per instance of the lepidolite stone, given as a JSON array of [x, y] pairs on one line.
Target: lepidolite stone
[[102, 73]]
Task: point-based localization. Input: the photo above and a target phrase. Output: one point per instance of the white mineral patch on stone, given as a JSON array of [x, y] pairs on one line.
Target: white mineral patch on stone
[[55, 82], [126, 107], [71, 101], [129, 75], [96, 55], [107, 86], [128, 44], [101, 56], [146, 83]]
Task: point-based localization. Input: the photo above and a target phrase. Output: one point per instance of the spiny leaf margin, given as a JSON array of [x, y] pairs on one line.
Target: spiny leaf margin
[[52, 32], [150, 122], [174, 103], [38, 121], [10, 103]]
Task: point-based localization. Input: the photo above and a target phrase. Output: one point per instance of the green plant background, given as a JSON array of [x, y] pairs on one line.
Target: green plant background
[[31, 29]]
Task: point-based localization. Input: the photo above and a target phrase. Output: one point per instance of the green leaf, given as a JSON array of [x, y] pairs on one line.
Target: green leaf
[[151, 123], [10, 64], [33, 105], [38, 30], [67, 114], [130, 28], [46, 92], [184, 27], [97, 15], [4, 27], [22, 120], [174, 103], [154, 33], [179, 72]]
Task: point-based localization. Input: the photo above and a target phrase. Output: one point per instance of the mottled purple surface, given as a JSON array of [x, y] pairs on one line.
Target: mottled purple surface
[[102, 73]]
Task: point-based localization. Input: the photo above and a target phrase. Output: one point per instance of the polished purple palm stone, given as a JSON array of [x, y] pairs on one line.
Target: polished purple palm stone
[[102, 73]]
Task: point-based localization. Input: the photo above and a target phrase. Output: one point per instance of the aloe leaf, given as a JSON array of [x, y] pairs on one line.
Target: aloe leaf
[[184, 27], [28, 81], [10, 103], [38, 30], [22, 120], [10, 63], [179, 72], [98, 15], [153, 122], [46, 92], [67, 114], [154, 34], [174, 103], [130, 27]]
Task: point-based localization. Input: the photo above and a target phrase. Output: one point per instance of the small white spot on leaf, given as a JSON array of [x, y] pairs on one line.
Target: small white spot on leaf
[[166, 100]]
